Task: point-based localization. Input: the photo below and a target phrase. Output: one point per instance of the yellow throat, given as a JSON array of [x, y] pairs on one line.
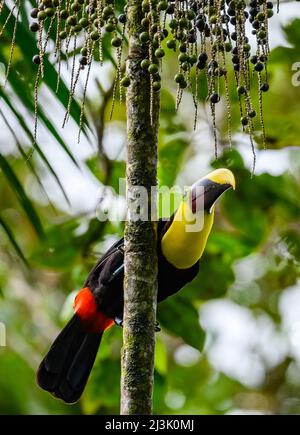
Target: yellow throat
[[181, 247]]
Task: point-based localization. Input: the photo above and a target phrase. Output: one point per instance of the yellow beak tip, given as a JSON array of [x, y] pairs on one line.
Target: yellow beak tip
[[222, 176]]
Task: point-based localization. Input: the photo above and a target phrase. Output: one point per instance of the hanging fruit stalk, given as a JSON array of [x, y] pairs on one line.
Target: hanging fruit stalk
[[208, 36]]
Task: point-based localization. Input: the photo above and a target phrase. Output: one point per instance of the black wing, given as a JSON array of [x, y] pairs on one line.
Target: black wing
[[116, 249], [93, 276], [106, 278]]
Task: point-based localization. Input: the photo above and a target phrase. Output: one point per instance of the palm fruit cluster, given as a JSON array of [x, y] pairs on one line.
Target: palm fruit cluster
[[209, 38]]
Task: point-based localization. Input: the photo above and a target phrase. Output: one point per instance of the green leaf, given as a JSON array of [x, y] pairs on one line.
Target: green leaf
[[25, 157], [178, 316], [27, 131], [214, 278], [161, 356], [103, 389], [170, 160], [28, 102], [292, 32], [27, 44], [60, 247], [21, 195], [13, 241]]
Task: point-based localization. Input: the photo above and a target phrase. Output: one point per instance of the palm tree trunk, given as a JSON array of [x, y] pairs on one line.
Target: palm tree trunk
[[140, 285]]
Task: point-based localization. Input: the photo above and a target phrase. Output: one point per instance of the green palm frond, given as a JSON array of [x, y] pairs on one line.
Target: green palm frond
[[20, 103], [19, 77], [23, 199], [13, 240]]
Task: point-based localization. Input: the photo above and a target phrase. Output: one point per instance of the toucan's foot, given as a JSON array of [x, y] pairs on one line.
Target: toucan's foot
[[118, 322]]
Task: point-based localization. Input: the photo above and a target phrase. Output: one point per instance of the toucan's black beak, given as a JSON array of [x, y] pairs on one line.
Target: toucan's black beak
[[206, 191]]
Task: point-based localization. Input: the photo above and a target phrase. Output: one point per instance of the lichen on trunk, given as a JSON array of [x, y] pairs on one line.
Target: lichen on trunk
[[140, 284]]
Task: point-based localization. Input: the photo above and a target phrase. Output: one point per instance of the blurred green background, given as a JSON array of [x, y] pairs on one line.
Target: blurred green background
[[245, 303]]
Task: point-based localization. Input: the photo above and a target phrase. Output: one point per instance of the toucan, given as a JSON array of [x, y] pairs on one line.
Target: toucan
[[65, 369]]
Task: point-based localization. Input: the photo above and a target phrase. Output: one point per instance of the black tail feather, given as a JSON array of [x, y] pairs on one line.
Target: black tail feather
[[65, 369]]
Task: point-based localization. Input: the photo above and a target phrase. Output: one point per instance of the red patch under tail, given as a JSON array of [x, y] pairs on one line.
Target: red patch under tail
[[86, 309]]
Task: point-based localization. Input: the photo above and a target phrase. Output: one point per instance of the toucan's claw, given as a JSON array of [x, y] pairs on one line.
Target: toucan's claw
[[118, 322]]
